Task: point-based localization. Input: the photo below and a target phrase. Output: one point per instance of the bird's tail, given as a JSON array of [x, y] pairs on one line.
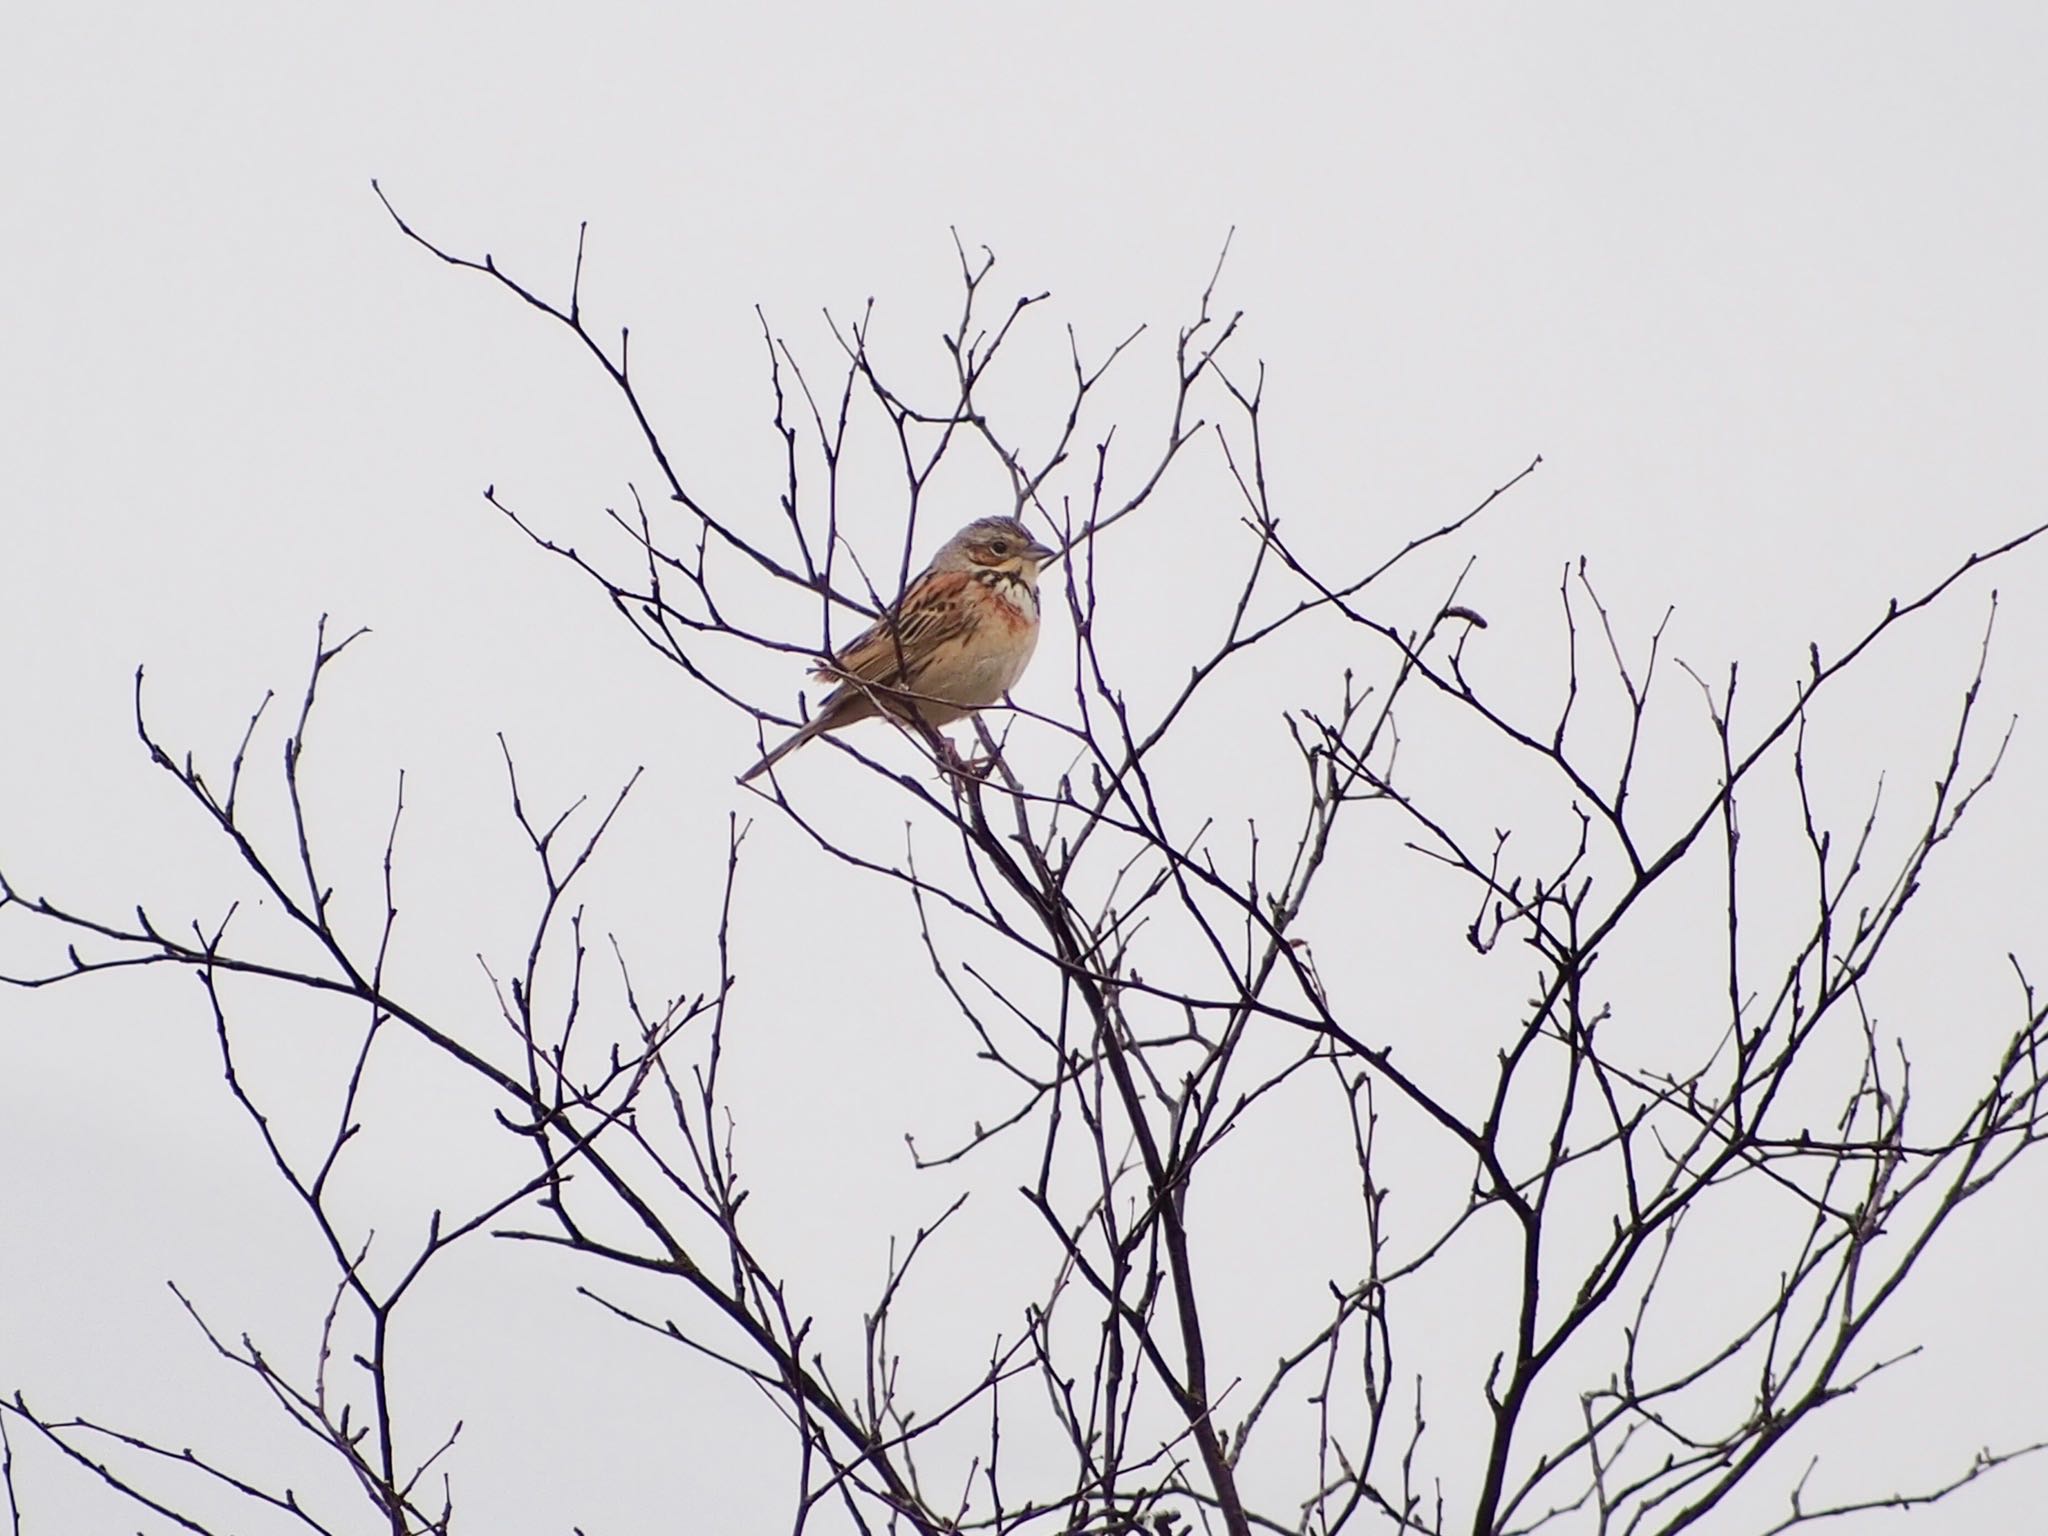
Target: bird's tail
[[779, 753]]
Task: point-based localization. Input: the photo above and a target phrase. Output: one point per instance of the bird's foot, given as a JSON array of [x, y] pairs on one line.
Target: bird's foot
[[956, 766]]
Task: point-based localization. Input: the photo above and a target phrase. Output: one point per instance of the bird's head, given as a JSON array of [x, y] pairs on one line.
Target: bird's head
[[995, 544]]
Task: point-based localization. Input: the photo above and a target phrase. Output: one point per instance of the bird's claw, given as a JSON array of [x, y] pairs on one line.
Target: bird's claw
[[954, 764]]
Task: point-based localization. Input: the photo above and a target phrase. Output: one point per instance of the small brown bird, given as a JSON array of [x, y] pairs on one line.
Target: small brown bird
[[956, 641]]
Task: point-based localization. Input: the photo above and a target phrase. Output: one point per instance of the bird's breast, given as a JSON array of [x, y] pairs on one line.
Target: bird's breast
[[1016, 600], [992, 654]]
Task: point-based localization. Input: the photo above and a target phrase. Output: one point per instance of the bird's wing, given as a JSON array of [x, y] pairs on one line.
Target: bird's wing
[[933, 612]]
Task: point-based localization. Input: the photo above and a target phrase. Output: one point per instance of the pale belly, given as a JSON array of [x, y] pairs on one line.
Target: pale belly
[[973, 678]]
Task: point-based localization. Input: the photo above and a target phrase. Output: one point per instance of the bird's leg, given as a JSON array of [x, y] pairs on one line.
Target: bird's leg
[[967, 768]]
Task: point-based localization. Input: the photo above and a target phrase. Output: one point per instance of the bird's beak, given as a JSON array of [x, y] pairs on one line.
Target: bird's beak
[[1039, 555]]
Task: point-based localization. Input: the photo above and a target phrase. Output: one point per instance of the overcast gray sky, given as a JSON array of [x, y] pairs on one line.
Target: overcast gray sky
[[1763, 286]]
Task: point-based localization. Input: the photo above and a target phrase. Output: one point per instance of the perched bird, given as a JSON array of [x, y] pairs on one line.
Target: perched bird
[[956, 640]]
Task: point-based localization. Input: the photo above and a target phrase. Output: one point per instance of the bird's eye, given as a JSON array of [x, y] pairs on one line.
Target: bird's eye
[[999, 547]]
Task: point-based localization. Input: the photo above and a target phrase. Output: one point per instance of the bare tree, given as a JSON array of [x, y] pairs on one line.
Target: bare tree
[[1143, 975]]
